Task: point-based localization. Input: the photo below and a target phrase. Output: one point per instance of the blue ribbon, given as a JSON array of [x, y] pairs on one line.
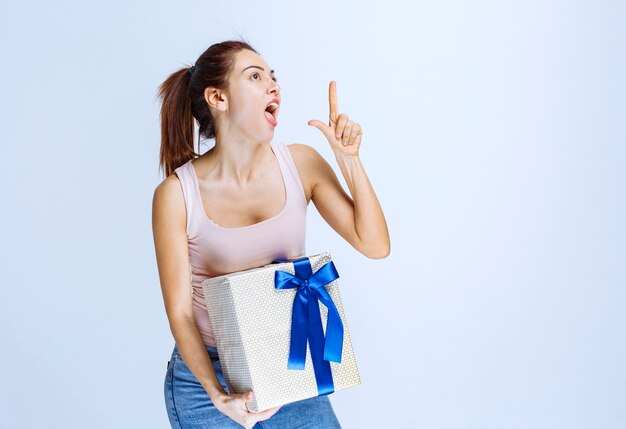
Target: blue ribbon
[[306, 320]]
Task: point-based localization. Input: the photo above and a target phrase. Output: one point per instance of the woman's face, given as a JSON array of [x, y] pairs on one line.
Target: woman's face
[[252, 87]]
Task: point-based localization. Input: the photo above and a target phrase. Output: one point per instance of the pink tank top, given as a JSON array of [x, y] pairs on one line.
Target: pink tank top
[[215, 250]]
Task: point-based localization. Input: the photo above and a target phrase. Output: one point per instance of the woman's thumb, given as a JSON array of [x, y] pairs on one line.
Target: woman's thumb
[[325, 129]]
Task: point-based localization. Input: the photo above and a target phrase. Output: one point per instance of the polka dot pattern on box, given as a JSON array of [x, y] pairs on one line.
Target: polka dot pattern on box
[[251, 320]]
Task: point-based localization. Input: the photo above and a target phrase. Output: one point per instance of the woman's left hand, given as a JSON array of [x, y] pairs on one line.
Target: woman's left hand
[[343, 134]]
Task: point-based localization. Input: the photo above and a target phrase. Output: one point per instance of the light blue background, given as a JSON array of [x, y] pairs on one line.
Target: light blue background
[[493, 133]]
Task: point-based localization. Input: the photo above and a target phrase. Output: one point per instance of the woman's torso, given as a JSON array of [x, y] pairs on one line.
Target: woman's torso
[[215, 250]]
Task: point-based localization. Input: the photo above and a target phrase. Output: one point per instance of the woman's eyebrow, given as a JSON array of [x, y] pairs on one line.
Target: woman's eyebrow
[[258, 67]]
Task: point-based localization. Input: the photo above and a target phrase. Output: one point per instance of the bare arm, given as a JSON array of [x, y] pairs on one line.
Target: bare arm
[[360, 219], [170, 241], [169, 220], [367, 214]]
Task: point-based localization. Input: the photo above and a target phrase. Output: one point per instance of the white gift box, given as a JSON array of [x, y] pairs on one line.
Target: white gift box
[[252, 323]]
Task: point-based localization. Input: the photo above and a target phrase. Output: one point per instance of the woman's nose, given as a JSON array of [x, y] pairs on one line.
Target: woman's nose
[[275, 88]]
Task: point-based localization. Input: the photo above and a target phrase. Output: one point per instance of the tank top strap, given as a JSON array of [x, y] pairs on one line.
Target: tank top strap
[[292, 178], [188, 184]]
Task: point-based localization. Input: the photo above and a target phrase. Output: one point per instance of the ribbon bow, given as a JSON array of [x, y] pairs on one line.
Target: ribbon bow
[[306, 320]]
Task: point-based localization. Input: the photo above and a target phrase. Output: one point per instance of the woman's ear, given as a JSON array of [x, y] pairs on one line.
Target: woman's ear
[[215, 98]]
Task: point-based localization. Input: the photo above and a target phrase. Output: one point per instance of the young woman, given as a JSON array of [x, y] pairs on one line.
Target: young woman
[[242, 204]]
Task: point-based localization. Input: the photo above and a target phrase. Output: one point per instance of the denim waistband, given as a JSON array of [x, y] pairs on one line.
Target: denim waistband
[[212, 350]]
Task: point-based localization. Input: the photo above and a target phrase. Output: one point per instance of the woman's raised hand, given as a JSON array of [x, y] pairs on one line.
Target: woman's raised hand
[[234, 406], [343, 134]]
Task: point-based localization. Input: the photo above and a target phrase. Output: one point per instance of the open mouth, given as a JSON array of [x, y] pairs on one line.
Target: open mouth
[[271, 112], [272, 108]]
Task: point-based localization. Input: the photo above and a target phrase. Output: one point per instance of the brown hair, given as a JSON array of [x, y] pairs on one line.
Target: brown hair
[[182, 95]]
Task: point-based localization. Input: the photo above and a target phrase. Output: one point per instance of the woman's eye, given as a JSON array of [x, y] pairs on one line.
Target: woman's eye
[[256, 74]]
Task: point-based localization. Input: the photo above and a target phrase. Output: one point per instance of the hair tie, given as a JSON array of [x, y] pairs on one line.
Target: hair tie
[[192, 69]]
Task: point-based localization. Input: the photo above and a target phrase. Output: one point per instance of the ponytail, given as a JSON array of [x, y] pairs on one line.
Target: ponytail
[[183, 100], [177, 121]]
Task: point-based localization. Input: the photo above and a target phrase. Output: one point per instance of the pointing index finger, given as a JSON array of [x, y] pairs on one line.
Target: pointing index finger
[[332, 99]]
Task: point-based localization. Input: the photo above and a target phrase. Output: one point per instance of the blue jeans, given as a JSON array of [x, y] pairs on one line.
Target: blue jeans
[[189, 406]]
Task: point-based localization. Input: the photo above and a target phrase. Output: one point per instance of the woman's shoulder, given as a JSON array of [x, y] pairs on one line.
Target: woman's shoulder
[[310, 164], [304, 154], [171, 182], [170, 191], [307, 157], [168, 202]]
